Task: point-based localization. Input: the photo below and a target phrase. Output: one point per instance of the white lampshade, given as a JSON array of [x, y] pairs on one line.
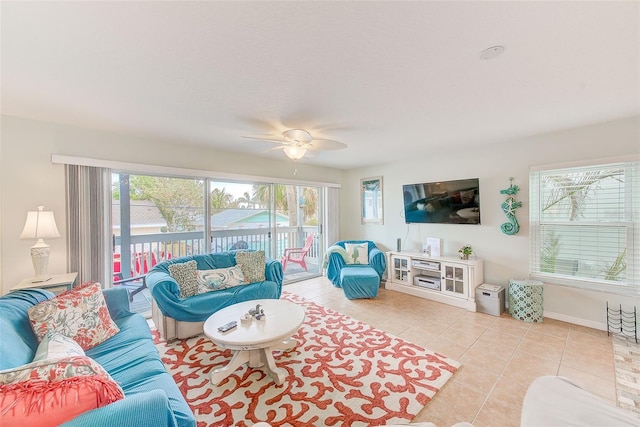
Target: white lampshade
[[40, 225], [293, 152]]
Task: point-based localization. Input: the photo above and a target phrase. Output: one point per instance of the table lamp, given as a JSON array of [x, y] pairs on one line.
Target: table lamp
[[40, 224]]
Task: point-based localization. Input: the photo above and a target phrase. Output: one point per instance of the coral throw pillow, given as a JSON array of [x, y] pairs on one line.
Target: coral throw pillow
[[186, 274], [50, 392], [80, 314], [357, 253], [253, 265]]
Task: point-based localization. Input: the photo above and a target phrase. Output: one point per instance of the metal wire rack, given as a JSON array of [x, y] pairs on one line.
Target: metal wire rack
[[622, 322]]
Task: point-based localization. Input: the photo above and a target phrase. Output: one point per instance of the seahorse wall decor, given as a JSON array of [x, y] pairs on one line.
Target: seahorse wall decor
[[509, 207]]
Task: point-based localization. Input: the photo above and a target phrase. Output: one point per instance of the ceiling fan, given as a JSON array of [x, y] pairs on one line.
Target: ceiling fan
[[296, 142]]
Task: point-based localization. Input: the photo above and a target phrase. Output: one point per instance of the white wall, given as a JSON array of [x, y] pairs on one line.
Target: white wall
[[504, 256], [28, 178]]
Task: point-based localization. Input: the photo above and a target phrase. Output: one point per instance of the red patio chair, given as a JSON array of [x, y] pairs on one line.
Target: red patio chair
[[117, 268]]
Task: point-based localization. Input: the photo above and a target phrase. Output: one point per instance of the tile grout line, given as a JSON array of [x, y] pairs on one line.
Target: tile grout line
[[499, 377]]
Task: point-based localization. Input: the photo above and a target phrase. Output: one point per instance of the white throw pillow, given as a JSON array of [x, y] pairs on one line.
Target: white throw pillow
[[357, 253], [57, 346], [220, 278]]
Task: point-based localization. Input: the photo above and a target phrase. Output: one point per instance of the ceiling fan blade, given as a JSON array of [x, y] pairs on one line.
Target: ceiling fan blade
[[259, 138], [326, 144]]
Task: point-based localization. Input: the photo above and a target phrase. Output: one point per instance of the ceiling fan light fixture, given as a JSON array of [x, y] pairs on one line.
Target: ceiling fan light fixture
[[294, 152], [299, 136]]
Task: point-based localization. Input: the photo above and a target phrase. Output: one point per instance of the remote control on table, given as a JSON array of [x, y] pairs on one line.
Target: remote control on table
[[228, 326]]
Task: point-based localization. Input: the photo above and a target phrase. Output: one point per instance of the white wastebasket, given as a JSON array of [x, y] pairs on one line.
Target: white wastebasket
[[490, 299]]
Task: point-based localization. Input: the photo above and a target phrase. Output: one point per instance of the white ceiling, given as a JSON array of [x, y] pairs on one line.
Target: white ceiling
[[389, 79]]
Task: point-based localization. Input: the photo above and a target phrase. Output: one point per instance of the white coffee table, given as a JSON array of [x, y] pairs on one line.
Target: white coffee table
[[254, 342]]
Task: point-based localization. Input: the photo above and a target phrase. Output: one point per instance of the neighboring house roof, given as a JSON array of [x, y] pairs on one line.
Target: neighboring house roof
[[230, 217], [143, 213]]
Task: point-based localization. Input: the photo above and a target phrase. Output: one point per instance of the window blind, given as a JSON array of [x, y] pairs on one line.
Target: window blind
[[585, 226]]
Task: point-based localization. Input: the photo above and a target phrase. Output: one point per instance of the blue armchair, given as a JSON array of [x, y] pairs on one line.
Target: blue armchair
[[357, 280]]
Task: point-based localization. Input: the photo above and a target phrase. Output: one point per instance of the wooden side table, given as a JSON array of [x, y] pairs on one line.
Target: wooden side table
[[57, 284], [525, 300]]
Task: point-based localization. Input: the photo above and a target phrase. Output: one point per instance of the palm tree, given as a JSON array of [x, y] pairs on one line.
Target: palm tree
[[220, 200], [288, 198], [574, 190], [568, 194]]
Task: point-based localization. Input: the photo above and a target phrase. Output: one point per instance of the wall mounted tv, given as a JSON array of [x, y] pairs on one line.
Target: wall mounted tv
[[442, 202]]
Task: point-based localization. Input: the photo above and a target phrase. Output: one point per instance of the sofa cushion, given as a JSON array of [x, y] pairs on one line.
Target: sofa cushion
[[54, 345], [50, 392], [133, 362], [129, 364], [357, 253], [80, 313], [186, 274], [253, 265], [220, 278], [15, 327]]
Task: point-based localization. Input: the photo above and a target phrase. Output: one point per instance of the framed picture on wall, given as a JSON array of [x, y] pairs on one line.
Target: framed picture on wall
[[371, 200]]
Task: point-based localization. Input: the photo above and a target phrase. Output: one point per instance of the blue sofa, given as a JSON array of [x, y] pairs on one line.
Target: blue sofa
[[152, 398], [177, 317]]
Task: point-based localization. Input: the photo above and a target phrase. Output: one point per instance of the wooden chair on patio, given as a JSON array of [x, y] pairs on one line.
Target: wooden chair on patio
[[297, 255]]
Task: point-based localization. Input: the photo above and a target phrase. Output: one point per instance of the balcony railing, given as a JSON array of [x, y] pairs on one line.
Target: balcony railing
[[148, 249]]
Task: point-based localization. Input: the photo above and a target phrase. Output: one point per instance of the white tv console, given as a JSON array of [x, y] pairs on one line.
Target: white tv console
[[449, 280]]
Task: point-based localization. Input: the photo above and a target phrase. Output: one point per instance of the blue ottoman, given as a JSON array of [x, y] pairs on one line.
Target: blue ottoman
[[359, 282]]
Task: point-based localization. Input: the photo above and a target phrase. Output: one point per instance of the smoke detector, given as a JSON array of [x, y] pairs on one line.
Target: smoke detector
[[491, 52]]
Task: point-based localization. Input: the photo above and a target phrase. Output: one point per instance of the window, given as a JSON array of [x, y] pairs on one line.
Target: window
[[585, 226]]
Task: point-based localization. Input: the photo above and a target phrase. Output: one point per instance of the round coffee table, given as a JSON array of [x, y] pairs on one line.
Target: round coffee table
[[254, 342]]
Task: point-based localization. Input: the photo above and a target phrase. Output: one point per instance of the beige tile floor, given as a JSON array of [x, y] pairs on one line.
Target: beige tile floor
[[501, 356]]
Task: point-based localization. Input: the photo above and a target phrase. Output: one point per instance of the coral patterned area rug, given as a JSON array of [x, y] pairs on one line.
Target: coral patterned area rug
[[342, 373]]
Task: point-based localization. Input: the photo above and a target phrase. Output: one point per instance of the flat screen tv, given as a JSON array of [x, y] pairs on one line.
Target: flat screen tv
[[442, 202]]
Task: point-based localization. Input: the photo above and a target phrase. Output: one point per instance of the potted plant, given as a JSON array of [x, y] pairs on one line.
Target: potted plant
[[465, 251]]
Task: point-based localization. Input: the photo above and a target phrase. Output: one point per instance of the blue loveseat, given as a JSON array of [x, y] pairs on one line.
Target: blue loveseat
[[152, 398], [177, 317]]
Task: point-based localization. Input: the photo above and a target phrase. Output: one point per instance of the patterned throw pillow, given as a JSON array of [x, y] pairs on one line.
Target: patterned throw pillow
[[80, 314], [253, 265], [186, 274], [220, 278], [57, 346], [50, 392], [357, 253]]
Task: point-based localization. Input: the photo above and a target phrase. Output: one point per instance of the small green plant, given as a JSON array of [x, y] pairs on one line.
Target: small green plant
[[465, 251]]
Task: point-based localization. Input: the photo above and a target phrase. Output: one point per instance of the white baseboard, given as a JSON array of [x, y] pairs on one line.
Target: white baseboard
[[576, 320]]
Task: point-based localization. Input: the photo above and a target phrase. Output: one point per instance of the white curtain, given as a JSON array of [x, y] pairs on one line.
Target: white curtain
[[333, 219], [89, 222]]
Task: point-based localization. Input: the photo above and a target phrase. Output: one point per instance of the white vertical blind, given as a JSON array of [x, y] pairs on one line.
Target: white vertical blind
[[332, 223], [585, 226]]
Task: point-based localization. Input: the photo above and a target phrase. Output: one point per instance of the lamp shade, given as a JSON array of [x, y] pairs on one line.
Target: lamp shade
[[40, 224], [294, 152]]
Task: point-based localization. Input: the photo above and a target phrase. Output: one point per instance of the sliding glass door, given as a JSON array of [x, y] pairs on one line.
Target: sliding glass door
[[298, 230], [240, 216], [155, 218]]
